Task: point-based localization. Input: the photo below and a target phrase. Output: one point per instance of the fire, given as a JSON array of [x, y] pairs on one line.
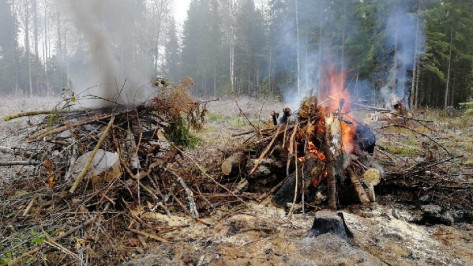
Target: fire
[[348, 135], [333, 88], [313, 149]]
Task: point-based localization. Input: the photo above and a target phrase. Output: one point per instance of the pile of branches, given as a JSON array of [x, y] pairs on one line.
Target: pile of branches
[[317, 156], [98, 175]]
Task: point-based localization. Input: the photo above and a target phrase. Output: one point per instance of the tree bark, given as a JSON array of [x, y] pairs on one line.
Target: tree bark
[[335, 157], [362, 196]]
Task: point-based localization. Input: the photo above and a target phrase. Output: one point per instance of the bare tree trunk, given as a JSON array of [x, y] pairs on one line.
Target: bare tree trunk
[[448, 71], [45, 48], [344, 36], [59, 34], [232, 46], [298, 50], [320, 45], [35, 26], [27, 44], [269, 69], [418, 77], [452, 95], [215, 73], [64, 57], [414, 91]]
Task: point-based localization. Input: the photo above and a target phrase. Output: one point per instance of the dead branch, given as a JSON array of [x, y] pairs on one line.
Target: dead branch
[[362, 196], [15, 163], [209, 177], [425, 135], [148, 235], [50, 131], [256, 129], [190, 195], [34, 113], [55, 239], [266, 151], [92, 155]]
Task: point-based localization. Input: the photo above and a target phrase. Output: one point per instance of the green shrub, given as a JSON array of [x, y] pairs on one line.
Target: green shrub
[[179, 133]]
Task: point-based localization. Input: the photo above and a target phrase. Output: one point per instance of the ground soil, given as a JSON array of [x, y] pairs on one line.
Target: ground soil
[[261, 234]]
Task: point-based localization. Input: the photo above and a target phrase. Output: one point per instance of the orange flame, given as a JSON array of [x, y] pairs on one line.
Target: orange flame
[[313, 150], [333, 88]]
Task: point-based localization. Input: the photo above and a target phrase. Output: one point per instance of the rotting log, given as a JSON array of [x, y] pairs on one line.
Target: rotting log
[[234, 163]]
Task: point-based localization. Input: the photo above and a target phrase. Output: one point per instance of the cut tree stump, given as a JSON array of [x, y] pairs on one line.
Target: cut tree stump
[[233, 164]]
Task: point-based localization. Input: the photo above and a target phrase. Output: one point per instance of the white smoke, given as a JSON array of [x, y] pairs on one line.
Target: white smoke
[[403, 31]]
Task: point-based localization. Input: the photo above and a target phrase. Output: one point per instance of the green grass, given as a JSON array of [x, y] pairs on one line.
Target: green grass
[[399, 150], [215, 117]]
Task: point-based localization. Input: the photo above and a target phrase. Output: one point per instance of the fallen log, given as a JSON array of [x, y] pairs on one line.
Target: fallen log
[[355, 180]]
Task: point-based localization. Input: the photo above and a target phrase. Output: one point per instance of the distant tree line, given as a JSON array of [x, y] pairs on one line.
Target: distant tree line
[[256, 47], [281, 44], [41, 47]]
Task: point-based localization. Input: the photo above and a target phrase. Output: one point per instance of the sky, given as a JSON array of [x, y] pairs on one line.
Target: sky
[[180, 11]]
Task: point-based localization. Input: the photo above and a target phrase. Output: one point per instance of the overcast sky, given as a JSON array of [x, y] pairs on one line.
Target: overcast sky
[[180, 11]]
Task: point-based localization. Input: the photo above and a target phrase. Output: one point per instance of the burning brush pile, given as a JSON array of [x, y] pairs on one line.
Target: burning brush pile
[[323, 153]]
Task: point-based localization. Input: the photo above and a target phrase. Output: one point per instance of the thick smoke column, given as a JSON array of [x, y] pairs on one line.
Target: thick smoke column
[[117, 65], [86, 15]]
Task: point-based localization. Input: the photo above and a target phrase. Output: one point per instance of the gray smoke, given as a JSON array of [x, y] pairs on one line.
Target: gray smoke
[[403, 31], [113, 71], [388, 84], [86, 15]]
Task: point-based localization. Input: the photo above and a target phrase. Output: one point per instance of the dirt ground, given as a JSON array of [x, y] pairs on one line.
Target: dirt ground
[[261, 234]]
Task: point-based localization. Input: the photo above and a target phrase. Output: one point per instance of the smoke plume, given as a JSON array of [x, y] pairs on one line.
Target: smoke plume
[[113, 71], [405, 37]]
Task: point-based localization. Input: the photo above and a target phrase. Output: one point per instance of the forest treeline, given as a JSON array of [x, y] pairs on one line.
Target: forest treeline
[[256, 47]]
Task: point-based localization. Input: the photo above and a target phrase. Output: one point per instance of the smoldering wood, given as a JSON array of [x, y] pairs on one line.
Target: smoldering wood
[[285, 194]]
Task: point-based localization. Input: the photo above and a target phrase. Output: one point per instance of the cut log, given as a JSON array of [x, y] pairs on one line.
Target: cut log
[[355, 180], [233, 164]]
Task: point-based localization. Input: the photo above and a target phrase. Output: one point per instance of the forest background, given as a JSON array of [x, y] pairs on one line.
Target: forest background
[[418, 50]]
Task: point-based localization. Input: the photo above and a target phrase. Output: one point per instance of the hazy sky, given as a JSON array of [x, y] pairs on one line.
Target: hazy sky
[[180, 10]]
